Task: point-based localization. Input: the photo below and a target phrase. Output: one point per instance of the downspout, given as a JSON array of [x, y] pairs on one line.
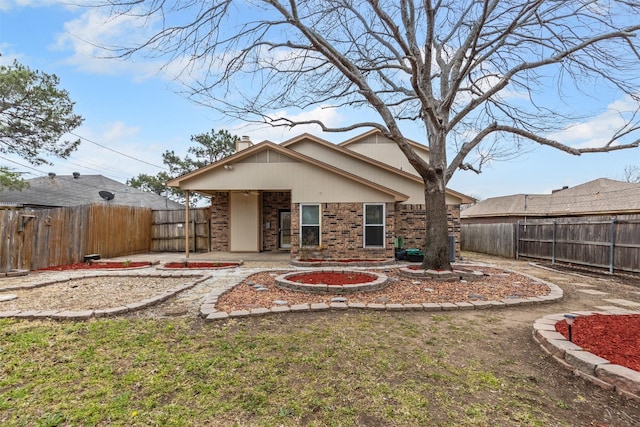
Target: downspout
[[186, 225]]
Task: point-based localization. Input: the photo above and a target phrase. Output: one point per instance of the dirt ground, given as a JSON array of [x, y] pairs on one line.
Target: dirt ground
[[505, 343], [503, 340]]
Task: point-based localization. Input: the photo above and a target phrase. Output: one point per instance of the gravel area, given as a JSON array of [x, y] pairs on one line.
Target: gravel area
[[88, 293], [495, 285]]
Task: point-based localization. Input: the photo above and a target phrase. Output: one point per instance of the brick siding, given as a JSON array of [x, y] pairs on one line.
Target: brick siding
[[341, 227], [220, 222], [272, 203], [342, 233], [410, 225]]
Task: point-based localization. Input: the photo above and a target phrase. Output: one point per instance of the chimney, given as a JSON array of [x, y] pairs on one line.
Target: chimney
[[243, 143], [76, 175]]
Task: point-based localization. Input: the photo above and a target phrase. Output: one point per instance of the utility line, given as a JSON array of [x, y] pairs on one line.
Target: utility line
[[20, 164], [118, 152]]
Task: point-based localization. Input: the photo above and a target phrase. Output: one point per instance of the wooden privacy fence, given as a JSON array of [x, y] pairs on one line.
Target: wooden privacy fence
[[603, 242], [613, 244], [48, 237], [168, 230], [493, 239]]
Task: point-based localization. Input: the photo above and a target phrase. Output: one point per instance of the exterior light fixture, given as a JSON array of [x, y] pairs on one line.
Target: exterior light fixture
[[228, 167], [569, 318]]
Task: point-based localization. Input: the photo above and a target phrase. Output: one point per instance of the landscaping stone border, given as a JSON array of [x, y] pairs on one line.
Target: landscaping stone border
[[236, 264], [208, 309], [14, 273], [380, 281], [441, 275], [337, 263], [609, 376], [87, 314]]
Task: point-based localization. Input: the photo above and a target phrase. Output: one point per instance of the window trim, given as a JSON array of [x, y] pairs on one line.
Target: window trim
[[319, 225], [365, 225]]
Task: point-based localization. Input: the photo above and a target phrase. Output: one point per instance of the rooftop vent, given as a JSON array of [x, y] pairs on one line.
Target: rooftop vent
[[76, 175], [559, 189], [52, 175]]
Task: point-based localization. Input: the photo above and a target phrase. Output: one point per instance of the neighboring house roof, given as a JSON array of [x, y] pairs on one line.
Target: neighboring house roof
[[599, 197], [74, 190], [261, 177]]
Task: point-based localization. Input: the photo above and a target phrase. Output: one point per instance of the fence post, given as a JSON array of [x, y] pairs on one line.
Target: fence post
[[553, 244], [518, 240], [612, 243]]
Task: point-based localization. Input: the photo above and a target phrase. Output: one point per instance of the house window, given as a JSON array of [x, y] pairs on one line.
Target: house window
[[374, 225], [309, 225]]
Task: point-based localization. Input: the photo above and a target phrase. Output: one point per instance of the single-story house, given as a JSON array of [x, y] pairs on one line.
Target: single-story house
[[316, 199], [54, 191], [600, 197]]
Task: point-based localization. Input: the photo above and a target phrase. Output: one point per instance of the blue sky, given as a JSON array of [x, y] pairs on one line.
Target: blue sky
[[133, 109]]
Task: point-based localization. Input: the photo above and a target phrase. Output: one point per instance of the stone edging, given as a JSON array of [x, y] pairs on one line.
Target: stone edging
[[236, 264], [380, 281], [330, 263], [599, 371], [14, 273], [209, 312], [107, 312]]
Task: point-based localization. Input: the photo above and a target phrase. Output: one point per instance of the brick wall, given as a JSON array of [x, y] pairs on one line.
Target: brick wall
[[342, 233], [272, 203], [410, 224], [220, 222], [342, 227]]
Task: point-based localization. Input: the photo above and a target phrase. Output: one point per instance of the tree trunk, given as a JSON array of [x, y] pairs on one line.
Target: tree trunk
[[436, 253], [436, 250]]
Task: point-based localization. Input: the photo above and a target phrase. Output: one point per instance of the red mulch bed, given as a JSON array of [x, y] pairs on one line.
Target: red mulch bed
[[340, 260], [98, 265], [331, 278], [612, 337], [200, 264], [497, 285]]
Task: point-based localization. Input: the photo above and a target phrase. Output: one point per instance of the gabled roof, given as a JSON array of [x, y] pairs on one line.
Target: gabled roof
[[372, 132], [601, 196], [341, 148], [182, 181], [69, 190]]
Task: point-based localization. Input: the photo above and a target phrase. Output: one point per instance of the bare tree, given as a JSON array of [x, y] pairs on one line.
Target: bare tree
[[481, 77], [631, 173]]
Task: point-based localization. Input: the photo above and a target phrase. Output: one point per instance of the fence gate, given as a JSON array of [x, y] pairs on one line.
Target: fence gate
[[168, 230]]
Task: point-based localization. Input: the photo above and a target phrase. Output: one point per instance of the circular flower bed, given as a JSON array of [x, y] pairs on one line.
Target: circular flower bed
[[332, 281]]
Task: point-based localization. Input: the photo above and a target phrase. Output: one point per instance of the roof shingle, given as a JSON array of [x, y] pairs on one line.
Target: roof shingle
[[67, 190]]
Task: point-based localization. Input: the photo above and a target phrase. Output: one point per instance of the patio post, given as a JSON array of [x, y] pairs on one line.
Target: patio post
[[186, 225]]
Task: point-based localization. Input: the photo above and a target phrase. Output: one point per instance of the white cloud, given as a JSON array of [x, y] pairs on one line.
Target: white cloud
[[8, 58], [94, 37], [112, 149], [14, 4], [260, 132], [598, 130]]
